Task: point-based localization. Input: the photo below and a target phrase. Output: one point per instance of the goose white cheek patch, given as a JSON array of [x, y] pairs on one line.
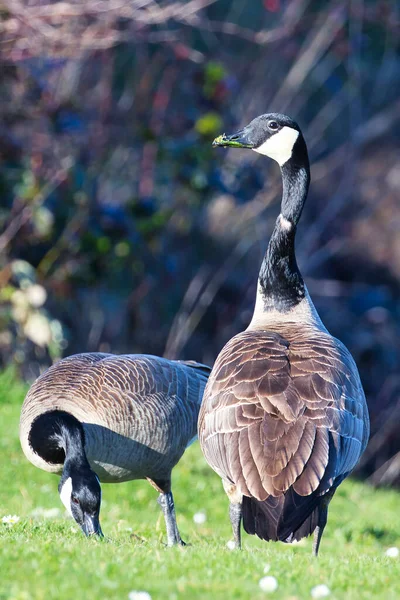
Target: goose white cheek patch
[[65, 494], [280, 145]]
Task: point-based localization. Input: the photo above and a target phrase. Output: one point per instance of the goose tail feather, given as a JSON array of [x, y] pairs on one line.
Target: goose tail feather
[[275, 520]]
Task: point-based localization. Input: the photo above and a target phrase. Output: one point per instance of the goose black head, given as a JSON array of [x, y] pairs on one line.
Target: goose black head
[[80, 493], [272, 134]]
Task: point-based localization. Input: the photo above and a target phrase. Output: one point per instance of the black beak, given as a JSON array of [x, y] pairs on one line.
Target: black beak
[[237, 140], [91, 526]]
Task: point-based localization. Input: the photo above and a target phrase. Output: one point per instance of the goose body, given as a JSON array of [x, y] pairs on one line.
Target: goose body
[[284, 418], [135, 414]]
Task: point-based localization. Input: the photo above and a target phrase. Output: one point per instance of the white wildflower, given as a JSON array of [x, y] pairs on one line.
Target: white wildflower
[[51, 513], [43, 221], [320, 591], [268, 584], [23, 271], [392, 552], [267, 568], [36, 295], [18, 298], [10, 520], [134, 595], [200, 517], [46, 513], [231, 545], [37, 329], [19, 313]]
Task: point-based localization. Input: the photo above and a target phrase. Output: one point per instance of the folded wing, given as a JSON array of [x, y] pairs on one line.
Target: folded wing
[[283, 421]]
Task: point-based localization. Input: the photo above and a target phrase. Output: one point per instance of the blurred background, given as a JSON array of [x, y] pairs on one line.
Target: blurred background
[[122, 230]]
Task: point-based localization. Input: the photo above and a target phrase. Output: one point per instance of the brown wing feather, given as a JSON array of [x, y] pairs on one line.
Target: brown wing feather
[[144, 399], [288, 411]]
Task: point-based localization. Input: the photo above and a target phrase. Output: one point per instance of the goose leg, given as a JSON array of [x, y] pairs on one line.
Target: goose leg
[[235, 515], [166, 501], [235, 511], [322, 520], [319, 530]]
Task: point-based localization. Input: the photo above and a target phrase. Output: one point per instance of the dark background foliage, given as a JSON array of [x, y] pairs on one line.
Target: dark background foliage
[[122, 230]]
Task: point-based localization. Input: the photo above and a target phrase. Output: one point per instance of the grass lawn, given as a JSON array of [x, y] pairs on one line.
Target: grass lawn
[[45, 555]]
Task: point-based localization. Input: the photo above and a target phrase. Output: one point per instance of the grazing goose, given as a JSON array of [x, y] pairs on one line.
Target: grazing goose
[[100, 417], [284, 418]]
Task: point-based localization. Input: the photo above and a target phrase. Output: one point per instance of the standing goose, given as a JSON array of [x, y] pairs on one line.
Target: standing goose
[[284, 418], [100, 417]]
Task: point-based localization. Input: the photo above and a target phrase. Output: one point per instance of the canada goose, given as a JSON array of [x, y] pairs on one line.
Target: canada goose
[[284, 418], [101, 417]]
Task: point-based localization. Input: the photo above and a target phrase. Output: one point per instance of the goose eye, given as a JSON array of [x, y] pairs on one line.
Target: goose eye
[[74, 499], [273, 125]]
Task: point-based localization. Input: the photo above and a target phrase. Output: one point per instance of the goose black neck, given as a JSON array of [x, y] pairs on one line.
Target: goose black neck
[[58, 437], [281, 283]]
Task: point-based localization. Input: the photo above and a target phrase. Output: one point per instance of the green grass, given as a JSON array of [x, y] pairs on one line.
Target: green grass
[[50, 558]]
